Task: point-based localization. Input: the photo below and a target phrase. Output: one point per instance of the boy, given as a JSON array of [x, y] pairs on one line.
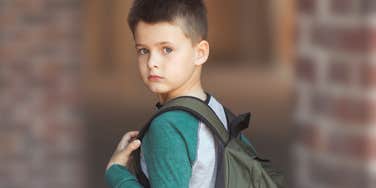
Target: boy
[[178, 150]]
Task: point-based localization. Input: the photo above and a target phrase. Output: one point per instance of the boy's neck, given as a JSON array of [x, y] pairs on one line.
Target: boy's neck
[[195, 91]]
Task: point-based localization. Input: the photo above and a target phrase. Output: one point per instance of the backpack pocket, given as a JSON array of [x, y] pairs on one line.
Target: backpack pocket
[[243, 169]]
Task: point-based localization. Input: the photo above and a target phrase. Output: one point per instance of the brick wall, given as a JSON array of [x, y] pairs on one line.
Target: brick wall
[[335, 94], [41, 137]]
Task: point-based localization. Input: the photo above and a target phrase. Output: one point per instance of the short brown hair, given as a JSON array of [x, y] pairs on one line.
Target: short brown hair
[[190, 14]]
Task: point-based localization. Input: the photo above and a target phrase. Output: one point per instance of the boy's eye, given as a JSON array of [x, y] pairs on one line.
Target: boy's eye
[[167, 50], [142, 51]]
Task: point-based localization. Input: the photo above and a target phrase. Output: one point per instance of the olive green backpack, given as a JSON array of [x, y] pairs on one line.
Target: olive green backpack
[[238, 164]]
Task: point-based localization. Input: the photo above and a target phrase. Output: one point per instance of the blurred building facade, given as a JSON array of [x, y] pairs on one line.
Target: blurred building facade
[[335, 105], [42, 140]]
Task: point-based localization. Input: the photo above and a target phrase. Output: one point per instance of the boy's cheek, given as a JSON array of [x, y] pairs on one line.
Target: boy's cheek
[[142, 69], [143, 76]]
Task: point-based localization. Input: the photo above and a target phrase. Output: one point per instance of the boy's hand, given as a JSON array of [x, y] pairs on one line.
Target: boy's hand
[[124, 149]]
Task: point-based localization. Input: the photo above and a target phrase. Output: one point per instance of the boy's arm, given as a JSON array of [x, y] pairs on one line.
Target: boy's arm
[[118, 176], [169, 149]]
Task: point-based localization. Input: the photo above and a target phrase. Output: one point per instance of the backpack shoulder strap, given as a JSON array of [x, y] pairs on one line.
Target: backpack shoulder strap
[[197, 108], [202, 111], [230, 116]]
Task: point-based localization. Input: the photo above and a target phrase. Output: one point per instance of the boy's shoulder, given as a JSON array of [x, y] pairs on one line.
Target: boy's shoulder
[[178, 116], [174, 127], [175, 118]]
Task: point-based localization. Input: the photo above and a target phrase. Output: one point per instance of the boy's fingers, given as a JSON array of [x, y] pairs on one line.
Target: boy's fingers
[[126, 138], [133, 133], [131, 147]]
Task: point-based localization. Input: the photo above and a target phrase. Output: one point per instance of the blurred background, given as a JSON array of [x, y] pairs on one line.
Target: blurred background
[[305, 69]]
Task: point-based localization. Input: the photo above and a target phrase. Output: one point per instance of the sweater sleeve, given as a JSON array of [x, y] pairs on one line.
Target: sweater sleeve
[[118, 176], [169, 148]]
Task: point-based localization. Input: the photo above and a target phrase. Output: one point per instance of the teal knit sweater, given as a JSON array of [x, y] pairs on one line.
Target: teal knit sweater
[[169, 148]]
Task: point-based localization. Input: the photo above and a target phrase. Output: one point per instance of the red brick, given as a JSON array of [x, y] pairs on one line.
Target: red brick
[[306, 69], [40, 42], [307, 6], [340, 73], [350, 145], [345, 110], [345, 7], [321, 104], [353, 7], [372, 148], [351, 39], [310, 136], [368, 6], [334, 175], [13, 144], [367, 75], [358, 111], [353, 110]]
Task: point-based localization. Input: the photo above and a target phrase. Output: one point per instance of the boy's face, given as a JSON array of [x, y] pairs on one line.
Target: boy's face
[[166, 57]]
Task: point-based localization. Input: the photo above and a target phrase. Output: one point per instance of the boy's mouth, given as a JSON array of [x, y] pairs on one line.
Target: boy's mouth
[[154, 78]]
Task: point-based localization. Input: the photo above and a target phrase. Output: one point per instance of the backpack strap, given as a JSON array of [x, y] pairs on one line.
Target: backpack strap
[[200, 110], [230, 116]]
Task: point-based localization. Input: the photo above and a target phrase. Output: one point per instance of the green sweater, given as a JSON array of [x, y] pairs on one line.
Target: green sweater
[[169, 149]]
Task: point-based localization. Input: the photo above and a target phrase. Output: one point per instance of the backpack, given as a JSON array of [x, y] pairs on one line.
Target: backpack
[[238, 165]]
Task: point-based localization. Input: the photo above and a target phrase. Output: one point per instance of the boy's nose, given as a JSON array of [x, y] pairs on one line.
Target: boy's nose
[[153, 61]]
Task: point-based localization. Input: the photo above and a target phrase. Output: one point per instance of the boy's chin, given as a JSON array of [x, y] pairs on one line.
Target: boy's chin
[[158, 90]]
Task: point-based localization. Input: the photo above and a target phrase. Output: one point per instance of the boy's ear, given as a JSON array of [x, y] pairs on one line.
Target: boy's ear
[[202, 52]]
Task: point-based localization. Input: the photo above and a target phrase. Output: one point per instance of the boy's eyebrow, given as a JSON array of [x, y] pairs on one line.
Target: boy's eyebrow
[[157, 44]]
